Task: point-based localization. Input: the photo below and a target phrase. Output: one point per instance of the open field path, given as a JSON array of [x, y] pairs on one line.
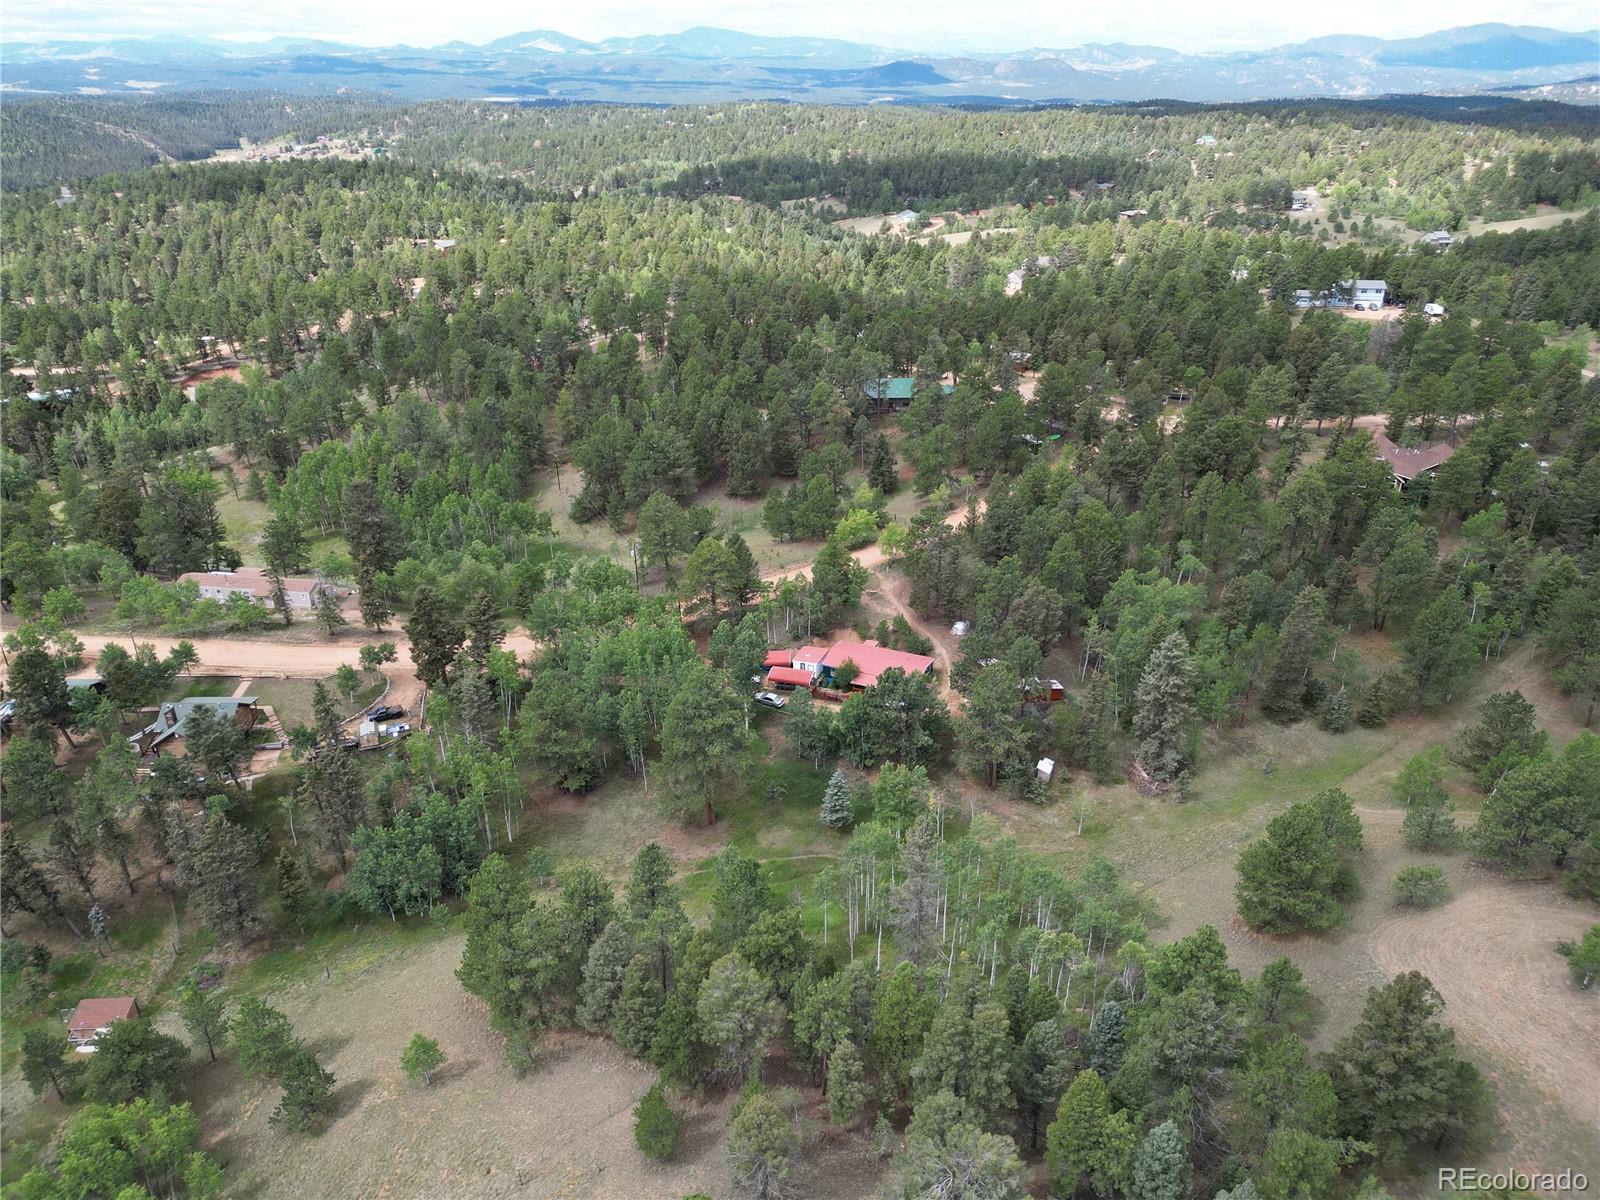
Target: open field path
[[871, 557]]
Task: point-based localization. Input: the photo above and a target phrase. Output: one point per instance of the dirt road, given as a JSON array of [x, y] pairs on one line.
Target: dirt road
[[895, 591], [264, 658], [261, 657]]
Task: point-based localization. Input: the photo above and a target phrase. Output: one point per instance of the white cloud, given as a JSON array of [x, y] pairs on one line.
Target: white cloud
[[946, 27]]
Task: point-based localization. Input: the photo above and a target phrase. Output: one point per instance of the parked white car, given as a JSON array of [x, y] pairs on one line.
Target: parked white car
[[770, 699]]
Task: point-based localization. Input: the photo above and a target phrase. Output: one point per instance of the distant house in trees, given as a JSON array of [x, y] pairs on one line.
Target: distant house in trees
[[164, 735], [1439, 239], [890, 395], [1361, 293], [87, 681], [1037, 265], [48, 396], [1407, 463], [815, 666], [301, 590], [93, 1019]]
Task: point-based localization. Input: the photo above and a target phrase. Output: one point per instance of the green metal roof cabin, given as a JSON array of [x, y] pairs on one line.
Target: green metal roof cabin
[[890, 391]]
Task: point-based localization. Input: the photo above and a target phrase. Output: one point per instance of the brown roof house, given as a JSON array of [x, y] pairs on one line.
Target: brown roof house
[[93, 1018], [255, 584], [1408, 462], [164, 735]]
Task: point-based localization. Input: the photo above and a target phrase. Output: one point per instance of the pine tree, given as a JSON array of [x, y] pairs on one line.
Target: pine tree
[[738, 1017], [135, 1059], [916, 904], [307, 1092], [436, 635], [637, 1012], [965, 1162], [23, 887], [761, 1146], [1294, 876], [280, 596], [1505, 733], [1430, 822], [651, 883], [677, 1049], [99, 927], [221, 873], [991, 1061], [657, 1130], [1335, 716], [603, 975], [1165, 709], [1160, 1166], [44, 1062], [373, 598], [882, 471], [838, 810], [283, 545], [328, 613], [263, 1038], [1043, 1075], [1375, 708], [294, 889], [1087, 1142], [1108, 1033], [205, 1015], [1399, 1080], [847, 1085], [1282, 699], [1438, 650]]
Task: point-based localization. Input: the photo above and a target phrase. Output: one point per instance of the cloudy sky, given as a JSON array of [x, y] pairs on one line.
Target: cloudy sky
[[940, 25]]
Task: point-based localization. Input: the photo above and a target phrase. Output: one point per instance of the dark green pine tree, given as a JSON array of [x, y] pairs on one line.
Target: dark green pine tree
[[1283, 697], [1398, 1078], [882, 471], [657, 1130], [436, 635], [1164, 709], [220, 870]]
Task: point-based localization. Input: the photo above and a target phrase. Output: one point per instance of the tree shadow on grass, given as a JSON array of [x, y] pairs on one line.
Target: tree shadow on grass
[[456, 1068], [701, 1134], [329, 1044], [347, 1098]]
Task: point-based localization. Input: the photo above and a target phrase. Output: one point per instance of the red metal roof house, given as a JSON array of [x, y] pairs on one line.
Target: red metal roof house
[[815, 665], [871, 661], [93, 1018]]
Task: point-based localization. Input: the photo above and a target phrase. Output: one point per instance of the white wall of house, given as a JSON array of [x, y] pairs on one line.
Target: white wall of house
[[297, 599]]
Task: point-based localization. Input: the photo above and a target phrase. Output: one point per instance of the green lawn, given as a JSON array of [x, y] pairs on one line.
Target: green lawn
[[206, 685], [291, 698]]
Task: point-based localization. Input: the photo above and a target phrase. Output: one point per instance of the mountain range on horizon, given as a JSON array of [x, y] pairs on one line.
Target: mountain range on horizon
[[709, 64]]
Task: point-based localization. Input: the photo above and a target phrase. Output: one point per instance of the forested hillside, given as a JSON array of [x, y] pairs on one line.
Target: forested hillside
[[580, 374]]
